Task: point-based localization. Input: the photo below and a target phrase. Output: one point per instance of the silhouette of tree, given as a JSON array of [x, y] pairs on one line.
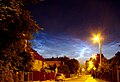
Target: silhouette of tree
[[73, 66], [16, 28], [64, 69], [115, 61]]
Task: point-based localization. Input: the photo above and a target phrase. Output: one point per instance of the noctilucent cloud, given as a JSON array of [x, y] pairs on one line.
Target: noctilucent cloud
[[59, 45], [68, 25]]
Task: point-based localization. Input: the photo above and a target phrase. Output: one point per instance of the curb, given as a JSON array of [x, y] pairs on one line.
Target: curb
[[54, 80], [67, 79]]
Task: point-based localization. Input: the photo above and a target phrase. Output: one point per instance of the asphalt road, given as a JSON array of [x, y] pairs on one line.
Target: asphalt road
[[79, 79], [84, 78]]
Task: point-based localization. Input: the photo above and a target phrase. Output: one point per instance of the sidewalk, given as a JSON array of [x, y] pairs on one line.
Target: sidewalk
[[91, 79]]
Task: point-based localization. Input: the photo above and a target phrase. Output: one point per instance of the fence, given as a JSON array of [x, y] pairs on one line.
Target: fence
[[38, 76], [20, 76]]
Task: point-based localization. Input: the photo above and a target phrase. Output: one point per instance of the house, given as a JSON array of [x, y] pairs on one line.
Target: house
[[39, 62], [53, 61], [39, 72]]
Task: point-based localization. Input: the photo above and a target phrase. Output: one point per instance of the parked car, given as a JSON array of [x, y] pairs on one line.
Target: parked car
[[60, 77]]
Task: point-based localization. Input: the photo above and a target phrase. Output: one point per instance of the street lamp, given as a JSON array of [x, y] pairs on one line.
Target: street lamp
[[94, 68], [91, 64], [83, 69], [93, 56], [97, 38]]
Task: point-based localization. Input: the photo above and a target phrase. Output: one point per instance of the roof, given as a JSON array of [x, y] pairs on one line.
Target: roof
[[52, 59], [37, 56]]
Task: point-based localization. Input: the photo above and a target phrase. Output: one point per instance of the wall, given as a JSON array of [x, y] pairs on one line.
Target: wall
[[38, 64], [58, 63]]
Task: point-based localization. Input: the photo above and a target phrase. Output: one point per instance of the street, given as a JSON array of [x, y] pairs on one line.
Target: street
[[85, 78], [79, 79]]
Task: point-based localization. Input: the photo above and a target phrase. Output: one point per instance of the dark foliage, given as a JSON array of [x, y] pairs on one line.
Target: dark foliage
[[16, 28]]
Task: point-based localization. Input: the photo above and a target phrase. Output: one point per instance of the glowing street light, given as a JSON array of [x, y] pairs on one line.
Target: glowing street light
[[94, 56], [83, 69], [94, 68], [97, 38], [91, 64]]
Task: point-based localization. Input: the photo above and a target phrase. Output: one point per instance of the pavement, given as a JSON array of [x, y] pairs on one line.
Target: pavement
[[91, 79]]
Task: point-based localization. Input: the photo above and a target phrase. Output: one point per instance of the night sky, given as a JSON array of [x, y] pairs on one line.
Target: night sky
[[69, 24]]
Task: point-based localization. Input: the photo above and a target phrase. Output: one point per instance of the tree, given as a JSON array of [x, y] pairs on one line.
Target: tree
[[73, 66], [115, 61], [64, 69], [16, 29], [52, 67], [105, 66], [64, 59]]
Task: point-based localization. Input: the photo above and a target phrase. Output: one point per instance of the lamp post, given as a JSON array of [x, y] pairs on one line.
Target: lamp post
[[100, 47], [97, 38]]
